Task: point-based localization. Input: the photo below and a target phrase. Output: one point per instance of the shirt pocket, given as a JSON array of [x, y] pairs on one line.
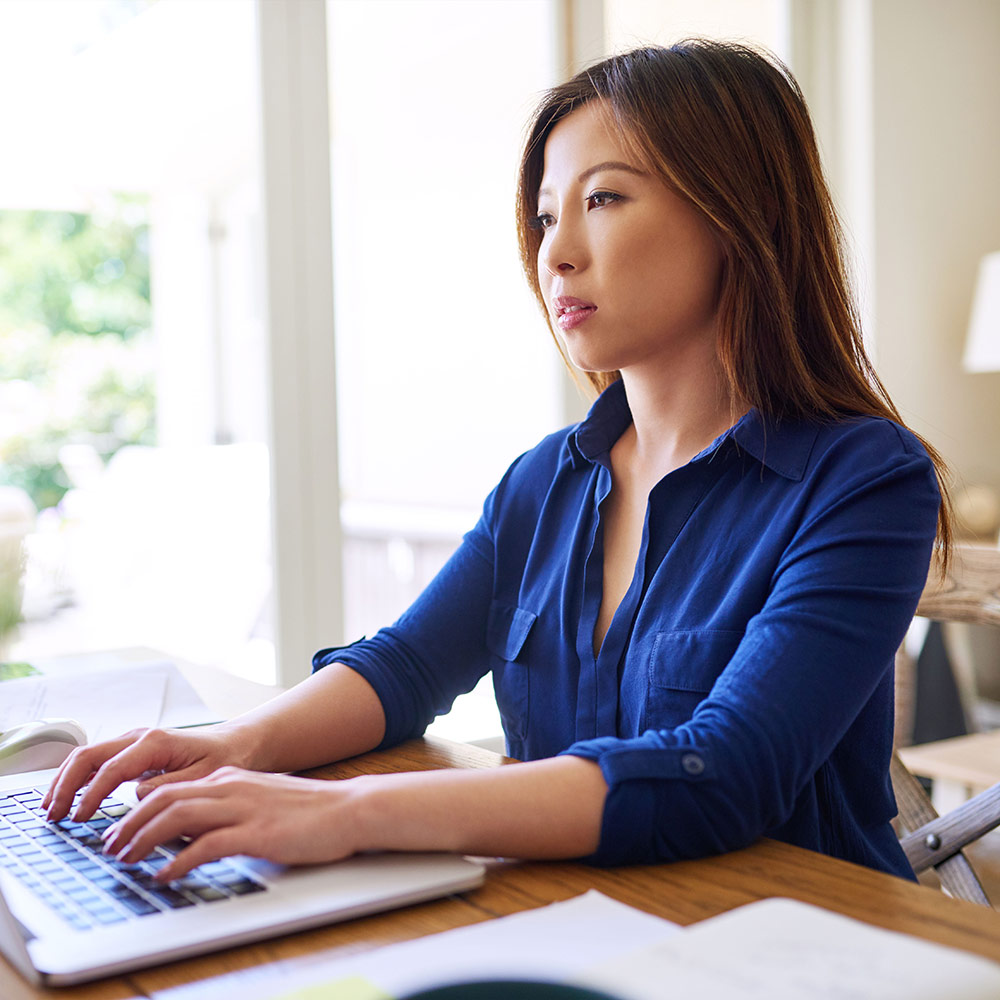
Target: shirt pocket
[[507, 631], [683, 666]]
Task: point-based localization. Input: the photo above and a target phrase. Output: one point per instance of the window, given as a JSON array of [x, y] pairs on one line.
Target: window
[[446, 369], [135, 127]]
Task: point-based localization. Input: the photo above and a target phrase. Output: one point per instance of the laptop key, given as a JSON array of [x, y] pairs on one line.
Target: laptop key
[[244, 887], [206, 893], [82, 896], [137, 904], [171, 897]]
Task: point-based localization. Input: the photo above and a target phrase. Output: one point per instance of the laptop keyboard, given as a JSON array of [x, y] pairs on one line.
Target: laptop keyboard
[[62, 864]]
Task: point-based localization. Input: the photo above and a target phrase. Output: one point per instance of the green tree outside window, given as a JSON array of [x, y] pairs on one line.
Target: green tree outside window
[[76, 362]]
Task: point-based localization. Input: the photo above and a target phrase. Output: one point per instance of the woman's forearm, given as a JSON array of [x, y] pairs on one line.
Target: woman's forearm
[[544, 809], [331, 715]]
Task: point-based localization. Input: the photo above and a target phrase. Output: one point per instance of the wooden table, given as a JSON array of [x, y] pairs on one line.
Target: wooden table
[[960, 767], [683, 892]]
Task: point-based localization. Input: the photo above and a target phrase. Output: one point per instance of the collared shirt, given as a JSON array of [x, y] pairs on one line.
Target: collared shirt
[[744, 687]]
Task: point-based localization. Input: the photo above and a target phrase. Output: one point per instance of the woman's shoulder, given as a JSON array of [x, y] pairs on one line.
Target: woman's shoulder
[[877, 437], [541, 463], [531, 476], [859, 451], [801, 448]]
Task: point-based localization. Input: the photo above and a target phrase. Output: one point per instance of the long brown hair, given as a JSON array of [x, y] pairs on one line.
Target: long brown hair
[[726, 127]]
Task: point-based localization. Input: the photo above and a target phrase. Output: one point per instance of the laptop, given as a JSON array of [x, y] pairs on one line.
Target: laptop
[[68, 914]]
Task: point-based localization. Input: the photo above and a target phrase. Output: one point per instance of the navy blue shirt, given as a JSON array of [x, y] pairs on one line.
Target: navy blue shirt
[[745, 685]]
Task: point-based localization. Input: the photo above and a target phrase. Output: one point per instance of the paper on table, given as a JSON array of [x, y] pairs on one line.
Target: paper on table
[[781, 949], [105, 704], [554, 942], [181, 705]]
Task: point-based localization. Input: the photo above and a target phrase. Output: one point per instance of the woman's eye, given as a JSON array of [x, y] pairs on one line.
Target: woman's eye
[[541, 221], [601, 198]]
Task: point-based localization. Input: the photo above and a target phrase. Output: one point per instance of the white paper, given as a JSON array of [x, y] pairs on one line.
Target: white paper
[[180, 704], [553, 942], [105, 704], [781, 949]]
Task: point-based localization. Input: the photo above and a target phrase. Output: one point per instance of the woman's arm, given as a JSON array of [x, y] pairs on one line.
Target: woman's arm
[[333, 714], [545, 809]]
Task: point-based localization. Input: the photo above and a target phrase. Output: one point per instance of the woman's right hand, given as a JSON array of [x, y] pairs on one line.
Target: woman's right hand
[[153, 757]]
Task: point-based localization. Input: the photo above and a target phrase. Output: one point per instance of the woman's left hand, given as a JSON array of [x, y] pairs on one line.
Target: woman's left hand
[[274, 816]]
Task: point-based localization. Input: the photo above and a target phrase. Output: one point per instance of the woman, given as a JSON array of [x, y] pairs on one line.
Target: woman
[[691, 600]]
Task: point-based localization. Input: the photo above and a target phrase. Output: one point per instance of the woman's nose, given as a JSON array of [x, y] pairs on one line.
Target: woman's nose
[[562, 250]]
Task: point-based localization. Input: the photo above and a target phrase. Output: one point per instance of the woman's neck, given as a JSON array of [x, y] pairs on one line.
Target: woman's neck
[[673, 419]]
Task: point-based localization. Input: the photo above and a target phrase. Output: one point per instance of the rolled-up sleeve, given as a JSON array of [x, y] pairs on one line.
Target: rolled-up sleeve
[[435, 651]]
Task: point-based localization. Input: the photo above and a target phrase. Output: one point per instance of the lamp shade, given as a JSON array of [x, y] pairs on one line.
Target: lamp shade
[[982, 346]]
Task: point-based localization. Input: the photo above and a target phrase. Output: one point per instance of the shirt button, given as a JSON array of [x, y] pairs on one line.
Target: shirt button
[[692, 764]]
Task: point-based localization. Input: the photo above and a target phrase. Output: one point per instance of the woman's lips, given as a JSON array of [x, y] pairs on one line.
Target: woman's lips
[[571, 312]]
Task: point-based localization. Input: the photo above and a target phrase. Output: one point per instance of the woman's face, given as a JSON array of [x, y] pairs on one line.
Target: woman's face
[[629, 271]]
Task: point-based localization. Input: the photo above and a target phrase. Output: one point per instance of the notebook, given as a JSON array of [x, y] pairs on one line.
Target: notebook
[[68, 914]]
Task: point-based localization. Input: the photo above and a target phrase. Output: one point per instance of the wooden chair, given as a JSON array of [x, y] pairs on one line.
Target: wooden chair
[[969, 593], [932, 841]]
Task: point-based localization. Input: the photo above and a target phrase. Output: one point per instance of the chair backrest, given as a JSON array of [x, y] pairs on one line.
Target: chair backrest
[[970, 593], [932, 841]]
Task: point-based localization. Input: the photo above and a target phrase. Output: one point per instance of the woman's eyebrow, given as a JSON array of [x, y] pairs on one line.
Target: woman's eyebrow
[[597, 168], [610, 165]]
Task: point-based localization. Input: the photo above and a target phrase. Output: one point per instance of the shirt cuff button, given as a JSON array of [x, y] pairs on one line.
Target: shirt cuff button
[[692, 764]]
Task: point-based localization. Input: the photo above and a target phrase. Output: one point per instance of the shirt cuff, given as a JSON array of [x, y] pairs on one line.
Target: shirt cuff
[[633, 808]]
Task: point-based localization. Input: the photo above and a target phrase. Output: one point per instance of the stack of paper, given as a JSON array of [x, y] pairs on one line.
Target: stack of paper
[[776, 949], [549, 943], [781, 949], [106, 702]]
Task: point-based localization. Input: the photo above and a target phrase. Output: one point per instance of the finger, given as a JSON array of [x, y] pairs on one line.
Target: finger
[[149, 753], [222, 842], [187, 818], [143, 824], [63, 782], [78, 769], [200, 769]]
